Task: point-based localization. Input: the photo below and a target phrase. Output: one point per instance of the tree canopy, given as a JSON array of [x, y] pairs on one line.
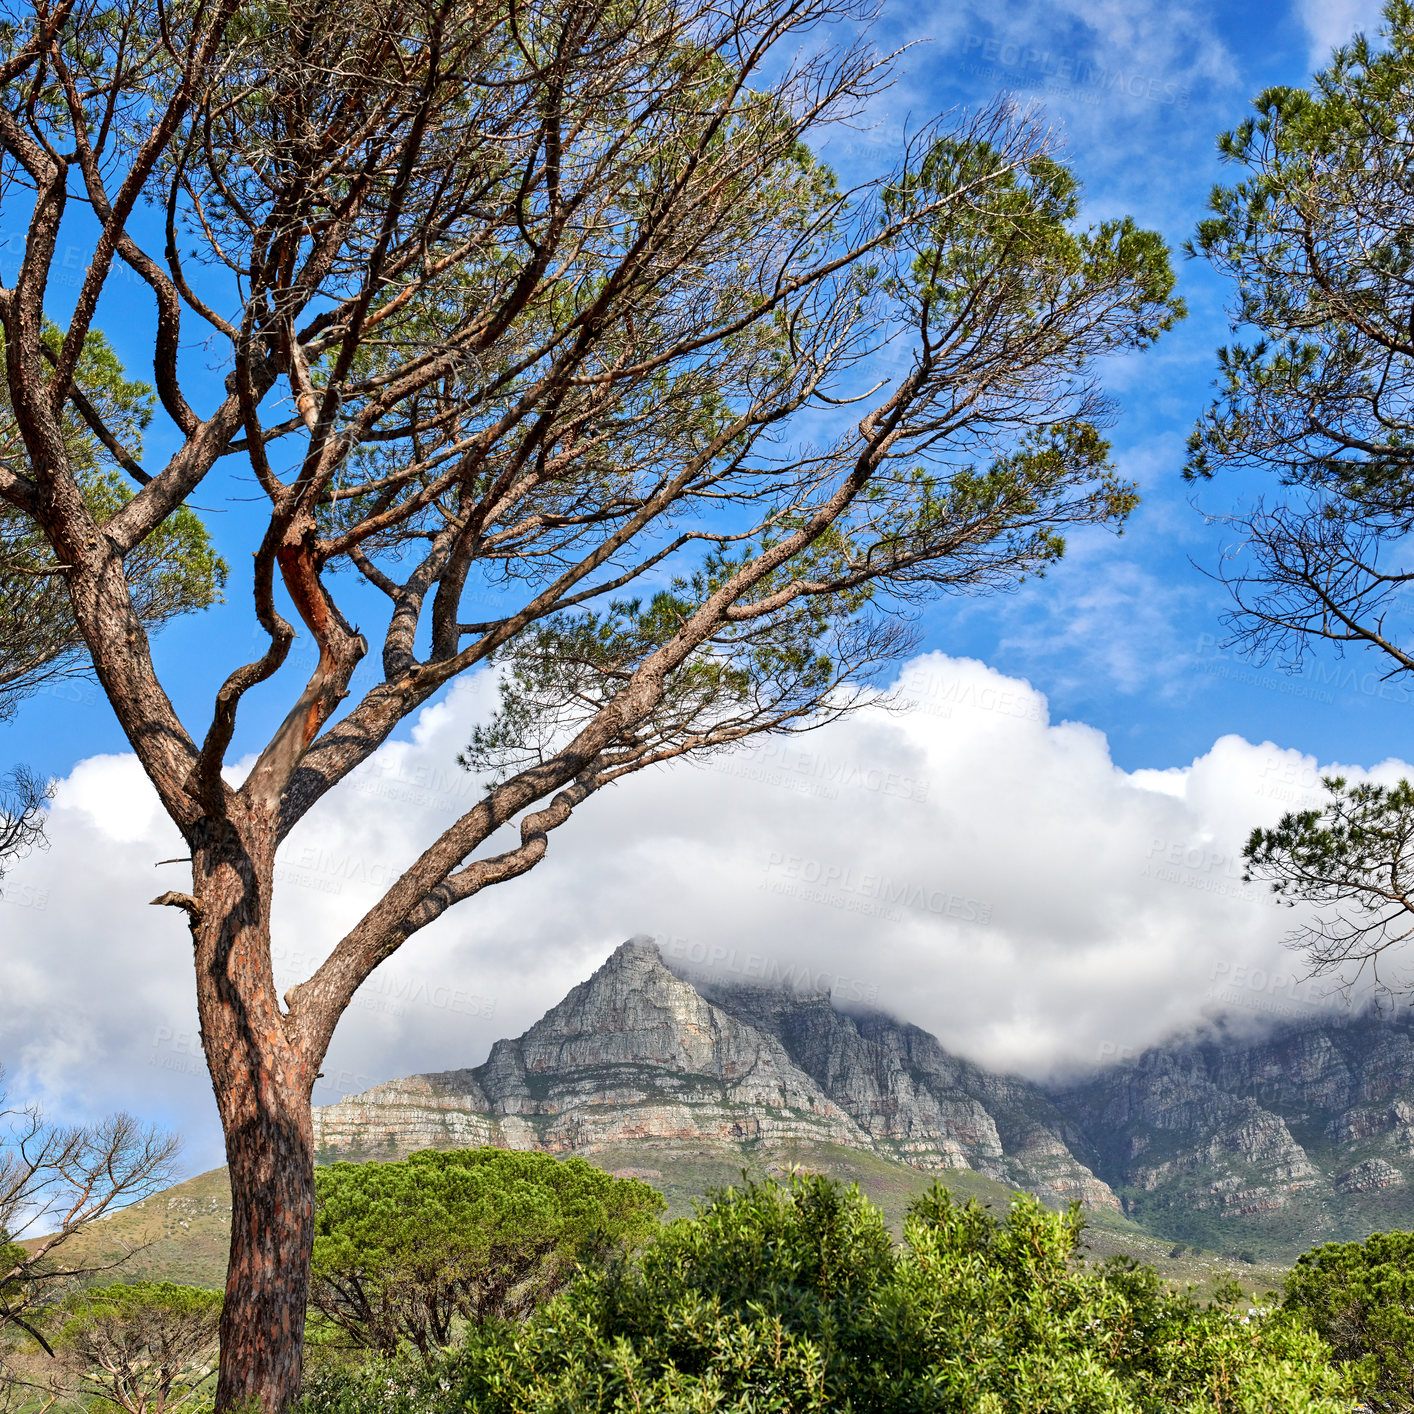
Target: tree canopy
[[1360, 1297], [177, 571], [405, 1251], [1320, 395], [550, 348], [797, 1298], [1315, 238]]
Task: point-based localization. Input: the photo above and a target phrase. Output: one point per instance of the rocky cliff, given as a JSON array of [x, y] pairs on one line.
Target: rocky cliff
[[638, 1055], [1228, 1142], [1301, 1135]]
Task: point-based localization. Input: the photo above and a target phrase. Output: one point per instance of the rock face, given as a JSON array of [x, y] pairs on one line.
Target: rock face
[[640, 1055], [1302, 1133], [1300, 1136]]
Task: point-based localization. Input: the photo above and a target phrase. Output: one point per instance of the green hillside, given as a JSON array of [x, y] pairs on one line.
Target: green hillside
[[182, 1234]]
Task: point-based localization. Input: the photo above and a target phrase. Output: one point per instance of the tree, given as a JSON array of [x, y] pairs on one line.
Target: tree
[[1360, 1297], [523, 306], [403, 1250], [175, 571], [147, 1348], [1352, 859], [56, 1181], [22, 799], [1315, 238], [797, 1298]]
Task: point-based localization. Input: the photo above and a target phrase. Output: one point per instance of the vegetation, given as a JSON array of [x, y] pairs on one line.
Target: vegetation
[[1360, 1297], [174, 572], [534, 307], [1315, 237], [404, 1251], [58, 1181], [795, 1298], [147, 1348], [22, 798]]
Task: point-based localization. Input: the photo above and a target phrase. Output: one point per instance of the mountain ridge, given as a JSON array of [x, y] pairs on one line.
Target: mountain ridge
[[1270, 1141]]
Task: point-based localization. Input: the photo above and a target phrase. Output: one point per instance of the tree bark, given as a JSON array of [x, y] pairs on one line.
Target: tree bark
[[263, 1080]]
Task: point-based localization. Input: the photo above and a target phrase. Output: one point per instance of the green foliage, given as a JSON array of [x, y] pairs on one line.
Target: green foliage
[[402, 1250], [145, 1348], [1316, 236], [174, 571], [1002, 277], [794, 1298], [1360, 1297], [1352, 857]]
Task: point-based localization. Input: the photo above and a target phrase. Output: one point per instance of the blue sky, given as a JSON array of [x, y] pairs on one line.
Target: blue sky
[[1075, 786], [1125, 634]]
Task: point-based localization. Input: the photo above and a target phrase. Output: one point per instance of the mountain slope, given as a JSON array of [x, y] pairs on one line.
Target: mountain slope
[[1279, 1142], [1236, 1144], [638, 1055]]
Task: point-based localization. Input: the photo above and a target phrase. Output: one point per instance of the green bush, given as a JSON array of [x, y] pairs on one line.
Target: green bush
[[143, 1347], [403, 1251], [1360, 1297], [795, 1299]]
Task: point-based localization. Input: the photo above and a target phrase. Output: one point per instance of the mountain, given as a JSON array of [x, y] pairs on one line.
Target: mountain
[[638, 1055], [1262, 1145], [1300, 1136]]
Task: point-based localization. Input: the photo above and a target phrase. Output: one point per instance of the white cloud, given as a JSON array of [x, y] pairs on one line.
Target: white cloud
[[967, 864], [1330, 23]]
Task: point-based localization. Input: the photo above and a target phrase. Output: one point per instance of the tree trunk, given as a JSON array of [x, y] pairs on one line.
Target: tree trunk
[[271, 1160], [263, 1082]]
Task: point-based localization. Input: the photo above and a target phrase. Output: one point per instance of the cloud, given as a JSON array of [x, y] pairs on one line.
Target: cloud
[[1330, 23], [966, 863]]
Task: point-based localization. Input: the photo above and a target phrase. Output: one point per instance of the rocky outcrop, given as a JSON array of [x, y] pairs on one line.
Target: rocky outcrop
[[1302, 1122], [639, 1055], [634, 1054], [1366, 1177], [1306, 1131]]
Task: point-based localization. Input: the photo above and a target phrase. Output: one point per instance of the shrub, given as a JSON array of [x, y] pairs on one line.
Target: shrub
[[1360, 1297], [795, 1299]]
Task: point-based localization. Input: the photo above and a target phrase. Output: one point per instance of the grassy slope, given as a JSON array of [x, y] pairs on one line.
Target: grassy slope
[[182, 1234]]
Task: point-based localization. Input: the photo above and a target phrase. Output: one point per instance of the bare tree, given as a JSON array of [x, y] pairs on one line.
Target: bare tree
[[55, 1183], [22, 800], [145, 1348], [523, 306]]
